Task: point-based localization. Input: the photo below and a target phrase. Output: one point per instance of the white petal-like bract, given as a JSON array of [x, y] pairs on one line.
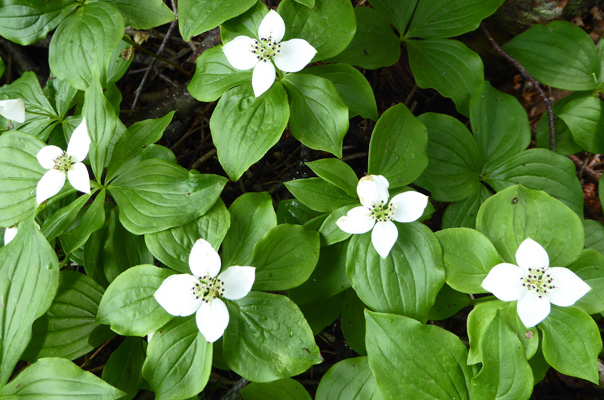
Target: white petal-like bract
[[176, 295], [50, 184], [533, 308], [212, 319], [79, 178], [203, 259], [13, 109], [272, 26], [263, 77], [295, 54], [383, 237], [237, 281], [568, 287], [373, 189], [79, 143], [239, 53], [47, 156], [531, 254], [356, 221], [505, 282], [408, 206]]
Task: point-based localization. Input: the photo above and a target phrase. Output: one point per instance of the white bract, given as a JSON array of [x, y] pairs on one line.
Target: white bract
[[13, 109], [9, 234], [201, 293], [534, 284], [377, 213], [61, 163], [245, 53]]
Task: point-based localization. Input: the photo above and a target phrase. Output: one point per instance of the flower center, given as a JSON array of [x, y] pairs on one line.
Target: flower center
[[63, 162], [382, 212], [538, 281], [266, 48], [208, 288]]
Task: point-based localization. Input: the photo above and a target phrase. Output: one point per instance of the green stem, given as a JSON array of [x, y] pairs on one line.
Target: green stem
[[482, 300]]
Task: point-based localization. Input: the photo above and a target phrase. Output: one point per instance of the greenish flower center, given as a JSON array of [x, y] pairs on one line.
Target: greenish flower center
[[538, 281], [63, 162], [208, 288], [382, 212], [265, 48]]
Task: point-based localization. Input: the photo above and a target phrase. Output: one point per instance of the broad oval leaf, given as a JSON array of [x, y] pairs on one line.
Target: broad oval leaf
[[319, 117], [398, 145], [584, 116], [124, 366], [336, 172], [558, 54], [244, 127], [407, 281], [268, 338], [143, 15], [128, 304], [462, 214], [438, 358], [81, 47], [179, 360], [398, 12], [283, 389], [350, 379], [198, 16], [594, 235], [320, 195], [448, 66]]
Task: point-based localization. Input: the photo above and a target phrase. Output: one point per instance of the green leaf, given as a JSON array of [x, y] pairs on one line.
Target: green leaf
[[499, 123], [517, 213], [214, 75], [155, 195], [462, 214], [594, 235], [244, 127], [336, 172], [352, 86], [539, 169], [584, 116], [142, 15], [27, 22], [173, 246], [353, 322], [292, 211], [59, 378], [90, 219], [438, 19], [128, 304], [558, 54], [61, 95], [329, 229], [565, 143], [454, 163], [198, 16], [322, 313], [112, 250], [268, 338], [40, 116], [448, 303], [245, 24], [329, 26], [102, 122], [29, 277], [69, 328], [374, 44], [506, 374], [307, 3], [129, 147], [20, 172], [579, 356], [397, 149], [319, 195], [252, 216], [589, 267], [63, 218], [398, 12], [124, 366], [319, 117], [283, 389], [349, 379], [448, 66], [81, 47], [407, 281], [285, 257], [480, 318], [179, 360], [468, 257], [437, 357]]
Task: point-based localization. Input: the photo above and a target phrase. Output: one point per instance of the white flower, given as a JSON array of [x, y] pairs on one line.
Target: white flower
[[184, 294], [9, 234], [60, 163], [244, 52], [534, 284], [377, 214], [13, 109]]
